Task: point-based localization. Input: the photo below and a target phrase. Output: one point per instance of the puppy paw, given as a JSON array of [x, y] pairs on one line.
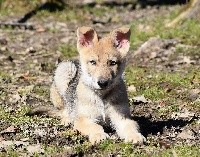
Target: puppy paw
[[65, 121], [98, 137], [135, 138]]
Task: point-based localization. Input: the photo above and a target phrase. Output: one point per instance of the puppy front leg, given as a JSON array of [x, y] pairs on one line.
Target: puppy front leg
[[87, 127], [126, 128]]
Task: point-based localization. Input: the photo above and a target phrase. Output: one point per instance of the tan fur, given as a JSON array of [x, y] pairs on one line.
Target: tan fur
[[59, 104], [100, 92], [87, 127], [56, 98]]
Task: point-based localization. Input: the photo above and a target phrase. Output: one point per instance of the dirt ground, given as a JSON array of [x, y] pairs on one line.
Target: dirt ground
[[163, 79]]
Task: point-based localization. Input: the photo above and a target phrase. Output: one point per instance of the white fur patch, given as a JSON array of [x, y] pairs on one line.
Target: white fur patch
[[88, 80], [64, 73]]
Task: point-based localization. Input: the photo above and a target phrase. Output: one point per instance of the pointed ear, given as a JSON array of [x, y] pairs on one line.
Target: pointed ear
[[121, 39], [87, 36]]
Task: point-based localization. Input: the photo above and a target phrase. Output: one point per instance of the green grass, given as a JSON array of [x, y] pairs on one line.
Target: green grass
[[155, 85], [69, 12], [150, 79], [188, 32], [19, 116], [5, 77], [162, 86], [121, 149], [41, 90], [68, 51]]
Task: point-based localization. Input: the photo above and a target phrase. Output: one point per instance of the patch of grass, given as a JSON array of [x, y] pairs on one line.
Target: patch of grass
[[5, 77], [41, 90], [75, 13], [68, 51], [10, 152], [26, 90], [122, 149], [154, 85], [181, 150], [98, 12], [58, 10], [189, 32], [19, 116], [153, 93], [18, 7], [50, 149]]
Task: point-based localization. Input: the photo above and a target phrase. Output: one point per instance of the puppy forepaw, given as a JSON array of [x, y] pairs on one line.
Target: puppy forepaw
[[98, 137], [65, 121], [135, 138]]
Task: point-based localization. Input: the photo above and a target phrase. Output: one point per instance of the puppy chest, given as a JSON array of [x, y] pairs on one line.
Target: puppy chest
[[93, 108]]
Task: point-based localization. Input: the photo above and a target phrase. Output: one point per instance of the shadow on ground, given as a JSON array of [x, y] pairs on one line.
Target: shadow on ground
[[154, 127], [60, 5], [49, 6]]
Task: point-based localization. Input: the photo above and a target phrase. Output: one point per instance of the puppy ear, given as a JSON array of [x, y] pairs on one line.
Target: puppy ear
[[86, 37], [121, 39]]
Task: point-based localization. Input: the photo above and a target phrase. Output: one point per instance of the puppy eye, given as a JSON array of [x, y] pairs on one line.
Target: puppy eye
[[93, 62], [112, 63]]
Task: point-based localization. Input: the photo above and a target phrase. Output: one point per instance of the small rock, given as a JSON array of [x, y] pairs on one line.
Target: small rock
[[131, 88], [40, 132], [5, 144], [35, 149], [165, 144], [153, 55], [186, 134], [39, 28], [4, 48], [187, 60], [194, 94], [24, 139], [65, 40], [183, 114], [20, 143], [15, 98], [3, 41], [184, 60], [30, 50], [140, 98]]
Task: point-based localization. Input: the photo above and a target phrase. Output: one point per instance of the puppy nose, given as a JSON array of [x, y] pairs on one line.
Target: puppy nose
[[103, 83]]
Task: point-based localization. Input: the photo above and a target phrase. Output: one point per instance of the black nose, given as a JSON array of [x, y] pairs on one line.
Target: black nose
[[102, 83]]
